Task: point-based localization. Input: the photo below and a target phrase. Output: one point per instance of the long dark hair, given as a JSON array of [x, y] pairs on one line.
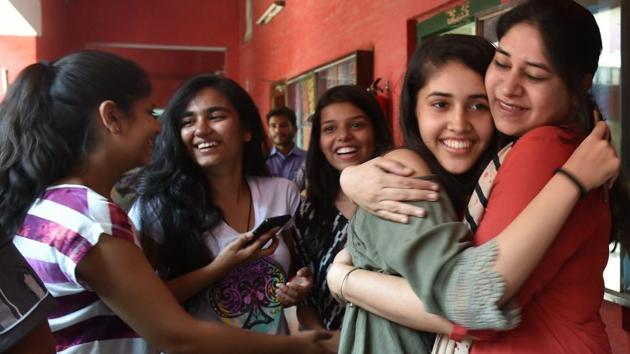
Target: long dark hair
[[322, 179], [174, 190], [474, 52], [572, 43], [48, 124]]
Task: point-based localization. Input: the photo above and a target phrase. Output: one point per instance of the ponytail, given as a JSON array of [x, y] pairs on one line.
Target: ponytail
[[31, 153], [47, 123]]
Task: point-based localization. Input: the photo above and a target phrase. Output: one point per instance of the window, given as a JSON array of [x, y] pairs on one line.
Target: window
[[607, 87], [304, 90]]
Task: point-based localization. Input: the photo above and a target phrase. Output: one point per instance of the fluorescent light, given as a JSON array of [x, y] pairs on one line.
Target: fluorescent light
[[271, 12]]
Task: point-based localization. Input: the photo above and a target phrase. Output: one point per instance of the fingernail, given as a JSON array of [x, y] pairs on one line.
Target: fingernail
[[433, 196], [435, 187], [421, 213]]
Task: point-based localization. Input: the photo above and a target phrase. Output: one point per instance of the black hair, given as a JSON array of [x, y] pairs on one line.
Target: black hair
[[572, 43], [285, 112], [48, 124], [474, 52], [174, 190], [322, 179]]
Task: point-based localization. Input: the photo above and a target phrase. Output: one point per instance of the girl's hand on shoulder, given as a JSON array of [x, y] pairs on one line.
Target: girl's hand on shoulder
[[243, 250], [381, 186], [595, 161], [297, 289]]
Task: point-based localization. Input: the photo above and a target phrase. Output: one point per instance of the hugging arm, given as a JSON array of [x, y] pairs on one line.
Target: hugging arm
[[375, 292], [411, 253], [382, 185], [519, 248]]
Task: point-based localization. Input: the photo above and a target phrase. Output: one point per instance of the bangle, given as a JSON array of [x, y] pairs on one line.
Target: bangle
[[458, 333], [343, 282], [573, 179]]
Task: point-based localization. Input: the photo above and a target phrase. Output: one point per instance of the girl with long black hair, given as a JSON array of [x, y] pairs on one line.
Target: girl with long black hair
[[69, 129]]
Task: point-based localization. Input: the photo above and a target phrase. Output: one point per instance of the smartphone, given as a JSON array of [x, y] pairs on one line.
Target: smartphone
[[268, 224]]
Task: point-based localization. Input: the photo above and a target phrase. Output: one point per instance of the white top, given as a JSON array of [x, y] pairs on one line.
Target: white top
[[245, 298]]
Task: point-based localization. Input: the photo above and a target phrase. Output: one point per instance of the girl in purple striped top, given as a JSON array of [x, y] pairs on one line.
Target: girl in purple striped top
[[68, 130]]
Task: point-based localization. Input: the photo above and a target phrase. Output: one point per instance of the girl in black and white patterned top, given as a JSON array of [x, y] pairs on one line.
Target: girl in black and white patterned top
[[348, 128]]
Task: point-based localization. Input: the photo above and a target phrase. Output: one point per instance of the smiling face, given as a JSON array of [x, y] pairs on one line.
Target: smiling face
[[211, 130], [346, 135], [453, 116], [523, 89], [141, 128]]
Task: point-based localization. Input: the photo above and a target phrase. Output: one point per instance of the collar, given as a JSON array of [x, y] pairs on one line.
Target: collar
[[294, 151]]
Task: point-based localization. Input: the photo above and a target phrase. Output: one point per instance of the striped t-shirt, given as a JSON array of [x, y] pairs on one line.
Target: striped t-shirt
[[58, 231]]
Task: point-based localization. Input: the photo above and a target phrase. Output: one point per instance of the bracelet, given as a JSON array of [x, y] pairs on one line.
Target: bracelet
[[583, 191], [343, 282], [458, 333]]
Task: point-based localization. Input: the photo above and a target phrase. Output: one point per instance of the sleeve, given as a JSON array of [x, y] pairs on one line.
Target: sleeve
[[293, 197], [134, 214], [24, 301], [526, 170], [434, 254], [152, 228]]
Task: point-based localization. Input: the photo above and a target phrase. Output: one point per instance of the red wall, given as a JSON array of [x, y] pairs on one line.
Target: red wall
[[307, 34], [54, 41], [181, 22], [208, 23], [167, 69], [17, 52], [76, 24]]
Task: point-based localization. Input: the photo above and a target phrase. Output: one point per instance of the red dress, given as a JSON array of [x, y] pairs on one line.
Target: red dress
[[561, 299]]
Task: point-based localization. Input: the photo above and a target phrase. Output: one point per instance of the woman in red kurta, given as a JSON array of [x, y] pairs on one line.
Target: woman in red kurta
[[560, 300]]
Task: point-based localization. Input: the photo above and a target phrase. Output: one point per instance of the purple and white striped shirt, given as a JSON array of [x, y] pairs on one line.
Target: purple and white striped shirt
[[58, 231]]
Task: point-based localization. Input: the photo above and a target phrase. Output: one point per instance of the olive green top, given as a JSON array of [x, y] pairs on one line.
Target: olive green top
[[435, 254]]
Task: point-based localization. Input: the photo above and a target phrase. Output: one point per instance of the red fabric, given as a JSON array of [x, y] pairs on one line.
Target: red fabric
[[562, 297], [458, 333]]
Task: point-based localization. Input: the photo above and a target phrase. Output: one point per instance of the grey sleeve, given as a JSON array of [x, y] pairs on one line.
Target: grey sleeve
[[24, 301], [472, 289], [435, 254]]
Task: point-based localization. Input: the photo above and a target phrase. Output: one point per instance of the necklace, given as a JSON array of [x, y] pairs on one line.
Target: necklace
[[249, 210]]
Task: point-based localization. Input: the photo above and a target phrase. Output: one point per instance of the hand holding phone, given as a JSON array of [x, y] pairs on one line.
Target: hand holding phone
[[268, 224]]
